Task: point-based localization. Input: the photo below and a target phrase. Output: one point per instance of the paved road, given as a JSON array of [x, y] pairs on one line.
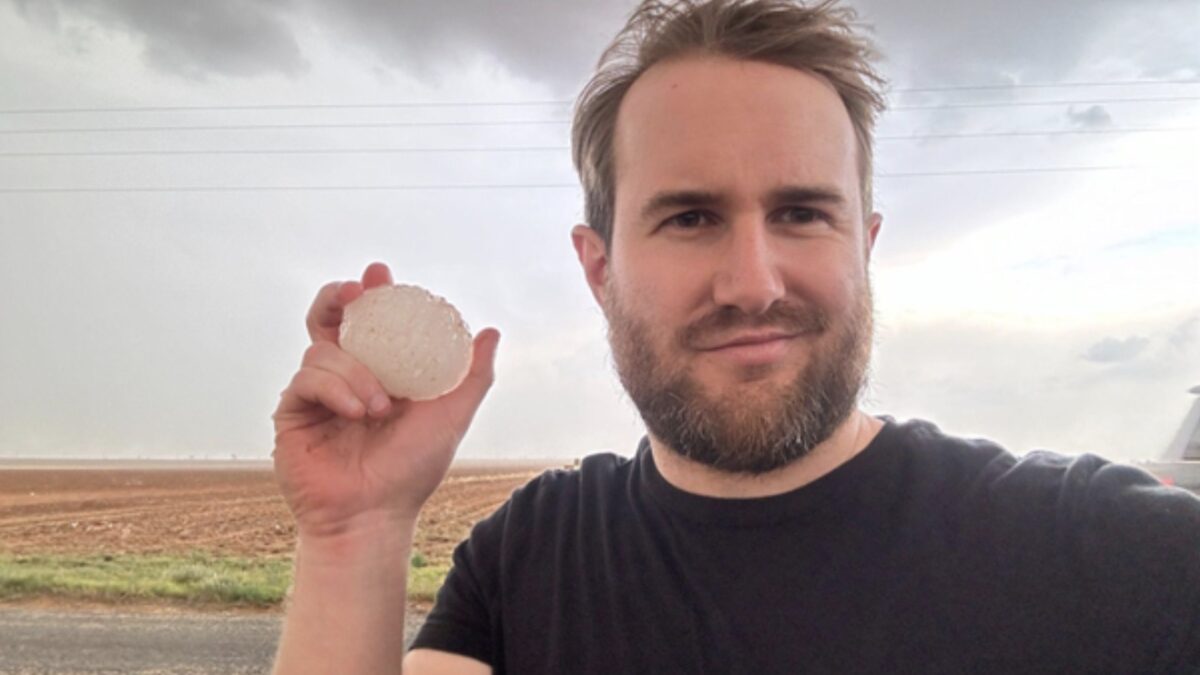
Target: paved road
[[95, 642]]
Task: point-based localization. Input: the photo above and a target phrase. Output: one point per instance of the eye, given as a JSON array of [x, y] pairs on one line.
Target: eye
[[688, 220], [802, 215]]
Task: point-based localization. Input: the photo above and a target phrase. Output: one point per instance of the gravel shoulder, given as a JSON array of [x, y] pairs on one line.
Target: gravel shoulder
[[140, 640]]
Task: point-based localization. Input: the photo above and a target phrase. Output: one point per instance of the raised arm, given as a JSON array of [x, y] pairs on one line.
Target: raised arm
[[355, 468]]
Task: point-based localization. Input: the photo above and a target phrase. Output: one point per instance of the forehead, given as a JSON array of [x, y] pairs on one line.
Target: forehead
[[721, 124]]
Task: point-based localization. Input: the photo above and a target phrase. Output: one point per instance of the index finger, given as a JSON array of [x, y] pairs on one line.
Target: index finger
[[325, 316], [376, 274]]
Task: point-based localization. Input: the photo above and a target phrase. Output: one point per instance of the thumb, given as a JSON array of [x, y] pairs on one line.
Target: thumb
[[464, 400]]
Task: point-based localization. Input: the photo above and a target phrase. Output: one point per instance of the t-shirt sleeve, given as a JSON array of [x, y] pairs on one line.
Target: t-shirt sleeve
[[464, 616], [1139, 548]]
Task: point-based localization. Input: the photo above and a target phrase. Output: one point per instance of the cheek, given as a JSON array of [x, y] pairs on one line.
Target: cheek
[[831, 281], [660, 288]]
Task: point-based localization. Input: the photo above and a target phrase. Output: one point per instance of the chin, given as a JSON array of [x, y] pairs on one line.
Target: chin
[[750, 378]]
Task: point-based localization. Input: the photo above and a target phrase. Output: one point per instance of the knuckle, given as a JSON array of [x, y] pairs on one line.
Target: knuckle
[[327, 291], [310, 353], [312, 377], [325, 300], [361, 376], [297, 385], [312, 384], [317, 351]]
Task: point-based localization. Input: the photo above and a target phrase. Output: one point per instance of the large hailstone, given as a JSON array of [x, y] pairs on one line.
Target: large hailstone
[[413, 341]]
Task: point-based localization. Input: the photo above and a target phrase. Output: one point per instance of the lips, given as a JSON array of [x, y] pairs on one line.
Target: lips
[[751, 350], [748, 340]]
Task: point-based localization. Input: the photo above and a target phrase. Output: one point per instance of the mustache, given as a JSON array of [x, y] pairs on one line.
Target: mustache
[[787, 317]]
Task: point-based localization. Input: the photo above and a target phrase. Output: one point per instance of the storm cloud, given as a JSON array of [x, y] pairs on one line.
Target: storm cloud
[[1093, 117], [556, 43], [1018, 298], [1116, 350], [541, 40], [189, 39], [546, 41], [1028, 41]]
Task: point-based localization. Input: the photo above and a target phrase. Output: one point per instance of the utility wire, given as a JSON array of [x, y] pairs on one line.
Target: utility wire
[[286, 106], [1053, 132], [489, 104], [1024, 104], [249, 127], [1008, 172], [281, 151], [492, 123], [291, 188], [1043, 85], [544, 148], [508, 186]]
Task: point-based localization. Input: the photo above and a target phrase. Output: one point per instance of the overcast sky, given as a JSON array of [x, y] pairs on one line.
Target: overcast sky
[[1037, 278]]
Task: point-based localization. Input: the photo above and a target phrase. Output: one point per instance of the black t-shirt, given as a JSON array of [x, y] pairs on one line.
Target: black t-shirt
[[922, 554]]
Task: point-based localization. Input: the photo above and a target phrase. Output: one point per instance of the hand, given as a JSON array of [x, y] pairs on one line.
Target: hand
[[347, 456]]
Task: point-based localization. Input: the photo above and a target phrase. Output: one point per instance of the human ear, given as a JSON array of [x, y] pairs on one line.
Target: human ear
[[872, 232], [593, 258]]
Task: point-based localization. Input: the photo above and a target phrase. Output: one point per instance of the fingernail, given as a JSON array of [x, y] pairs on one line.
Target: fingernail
[[379, 403]]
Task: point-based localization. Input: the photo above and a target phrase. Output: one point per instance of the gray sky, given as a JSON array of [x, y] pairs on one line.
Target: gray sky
[[1046, 308]]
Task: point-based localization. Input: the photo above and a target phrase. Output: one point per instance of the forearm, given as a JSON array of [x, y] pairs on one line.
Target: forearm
[[346, 611]]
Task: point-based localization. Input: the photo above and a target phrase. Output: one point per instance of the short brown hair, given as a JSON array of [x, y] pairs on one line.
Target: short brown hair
[[820, 39]]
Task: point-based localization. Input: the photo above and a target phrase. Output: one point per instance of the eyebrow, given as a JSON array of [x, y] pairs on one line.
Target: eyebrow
[[679, 199], [808, 195], [690, 199]]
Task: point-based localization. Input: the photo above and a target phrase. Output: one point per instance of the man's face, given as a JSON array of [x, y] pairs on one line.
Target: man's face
[[735, 285]]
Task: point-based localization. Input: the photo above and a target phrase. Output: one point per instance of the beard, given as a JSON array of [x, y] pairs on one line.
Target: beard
[[750, 429]]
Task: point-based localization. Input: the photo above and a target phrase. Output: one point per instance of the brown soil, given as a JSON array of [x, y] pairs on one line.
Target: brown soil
[[230, 511]]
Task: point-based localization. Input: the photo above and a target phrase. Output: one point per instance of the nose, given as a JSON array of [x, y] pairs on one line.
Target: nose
[[747, 274]]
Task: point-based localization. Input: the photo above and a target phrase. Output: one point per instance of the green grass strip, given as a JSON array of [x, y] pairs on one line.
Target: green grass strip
[[199, 578], [424, 582]]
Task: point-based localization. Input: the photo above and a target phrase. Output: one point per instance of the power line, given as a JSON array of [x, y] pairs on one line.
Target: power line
[[1044, 85], [250, 127], [282, 151], [503, 186], [286, 106], [545, 148], [491, 104], [291, 188], [1007, 172], [1023, 104], [1055, 132], [492, 123]]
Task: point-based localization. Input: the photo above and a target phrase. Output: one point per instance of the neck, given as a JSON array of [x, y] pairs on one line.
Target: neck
[[848, 440]]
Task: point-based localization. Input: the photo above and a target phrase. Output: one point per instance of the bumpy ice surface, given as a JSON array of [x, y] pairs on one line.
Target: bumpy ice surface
[[415, 342]]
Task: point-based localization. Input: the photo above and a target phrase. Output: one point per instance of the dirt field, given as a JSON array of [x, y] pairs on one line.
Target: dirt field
[[228, 510]]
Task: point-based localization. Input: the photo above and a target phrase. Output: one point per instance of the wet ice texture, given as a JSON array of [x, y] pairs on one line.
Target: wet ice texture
[[415, 342]]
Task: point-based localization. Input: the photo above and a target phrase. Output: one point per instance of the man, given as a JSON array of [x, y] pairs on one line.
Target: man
[[766, 525]]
